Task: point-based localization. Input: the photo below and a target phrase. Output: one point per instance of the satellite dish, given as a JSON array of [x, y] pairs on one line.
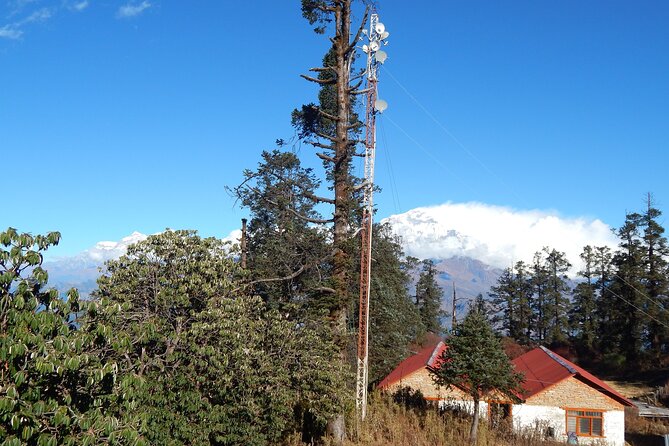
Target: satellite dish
[[384, 35], [381, 56], [380, 105], [380, 28], [365, 48], [374, 46]]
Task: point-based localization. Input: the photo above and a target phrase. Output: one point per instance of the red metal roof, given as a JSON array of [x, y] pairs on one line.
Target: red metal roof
[[543, 368], [426, 357]]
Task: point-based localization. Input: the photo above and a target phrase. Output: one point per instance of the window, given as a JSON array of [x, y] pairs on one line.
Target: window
[[586, 423]]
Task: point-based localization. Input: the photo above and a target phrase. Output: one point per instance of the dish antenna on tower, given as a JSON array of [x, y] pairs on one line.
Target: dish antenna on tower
[[380, 105]]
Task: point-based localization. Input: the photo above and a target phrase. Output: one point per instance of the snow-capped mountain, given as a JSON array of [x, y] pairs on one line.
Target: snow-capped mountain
[[495, 235], [82, 270], [471, 244]]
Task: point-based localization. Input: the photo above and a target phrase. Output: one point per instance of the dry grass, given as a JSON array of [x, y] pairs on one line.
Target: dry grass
[[634, 424], [631, 389], [391, 424]]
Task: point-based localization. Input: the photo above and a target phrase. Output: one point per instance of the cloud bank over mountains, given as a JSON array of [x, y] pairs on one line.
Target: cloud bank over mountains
[[496, 235]]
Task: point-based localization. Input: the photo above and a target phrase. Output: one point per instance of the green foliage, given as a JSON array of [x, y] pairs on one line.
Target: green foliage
[[513, 296], [207, 364], [54, 388], [428, 298], [282, 242], [394, 319], [475, 362], [583, 315]]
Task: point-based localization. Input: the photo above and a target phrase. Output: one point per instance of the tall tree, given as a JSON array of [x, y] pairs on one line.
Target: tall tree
[[557, 297], [428, 298], [583, 315], [512, 296], [541, 302], [624, 294], [288, 256], [475, 361], [332, 127], [656, 253]]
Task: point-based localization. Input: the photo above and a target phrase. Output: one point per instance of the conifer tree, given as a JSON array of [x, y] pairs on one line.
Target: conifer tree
[[475, 361], [556, 265], [624, 296], [428, 297], [656, 278], [394, 320], [583, 316]]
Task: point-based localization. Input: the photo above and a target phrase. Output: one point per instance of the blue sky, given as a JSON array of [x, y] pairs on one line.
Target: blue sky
[[118, 116]]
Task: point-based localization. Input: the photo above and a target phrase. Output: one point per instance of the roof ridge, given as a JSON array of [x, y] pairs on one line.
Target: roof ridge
[[434, 353], [560, 360]]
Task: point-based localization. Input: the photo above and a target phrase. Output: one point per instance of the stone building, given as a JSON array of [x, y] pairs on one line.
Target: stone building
[[559, 398]]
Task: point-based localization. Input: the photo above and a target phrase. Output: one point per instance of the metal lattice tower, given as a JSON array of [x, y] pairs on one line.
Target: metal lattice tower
[[376, 35]]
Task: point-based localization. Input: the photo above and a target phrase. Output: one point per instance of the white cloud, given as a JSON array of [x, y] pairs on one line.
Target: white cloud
[[38, 16], [10, 32], [133, 9], [79, 6], [496, 235], [14, 31]]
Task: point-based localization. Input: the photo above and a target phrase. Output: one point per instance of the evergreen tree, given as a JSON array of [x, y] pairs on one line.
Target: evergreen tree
[[288, 257], [394, 320], [475, 361], [512, 296], [583, 315], [428, 297], [556, 265], [541, 303], [656, 279], [623, 296], [207, 363]]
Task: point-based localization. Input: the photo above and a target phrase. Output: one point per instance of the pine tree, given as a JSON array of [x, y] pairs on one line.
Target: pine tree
[[288, 256], [428, 298], [512, 297], [583, 316], [656, 278], [541, 304], [394, 320], [475, 361], [624, 294], [556, 265]]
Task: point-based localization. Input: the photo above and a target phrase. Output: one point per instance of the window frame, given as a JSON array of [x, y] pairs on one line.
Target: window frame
[[579, 417]]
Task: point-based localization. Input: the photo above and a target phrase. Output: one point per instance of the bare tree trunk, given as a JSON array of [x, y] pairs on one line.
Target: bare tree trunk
[[336, 429], [473, 431]]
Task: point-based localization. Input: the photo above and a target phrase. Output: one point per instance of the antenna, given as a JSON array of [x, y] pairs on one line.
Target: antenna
[[376, 35]]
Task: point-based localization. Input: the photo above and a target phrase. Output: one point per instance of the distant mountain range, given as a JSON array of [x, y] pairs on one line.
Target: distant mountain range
[[81, 271], [471, 244]]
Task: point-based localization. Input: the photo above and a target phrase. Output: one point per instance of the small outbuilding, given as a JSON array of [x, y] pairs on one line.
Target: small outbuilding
[[560, 399]]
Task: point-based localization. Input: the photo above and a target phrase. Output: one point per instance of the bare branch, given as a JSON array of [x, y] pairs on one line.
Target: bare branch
[[355, 87], [328, 115], [354, 42], [320, 145], [324, 157], [324, 136], [322, 69], [325, 289], [319, 81], [358, 92], [319, 198]]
